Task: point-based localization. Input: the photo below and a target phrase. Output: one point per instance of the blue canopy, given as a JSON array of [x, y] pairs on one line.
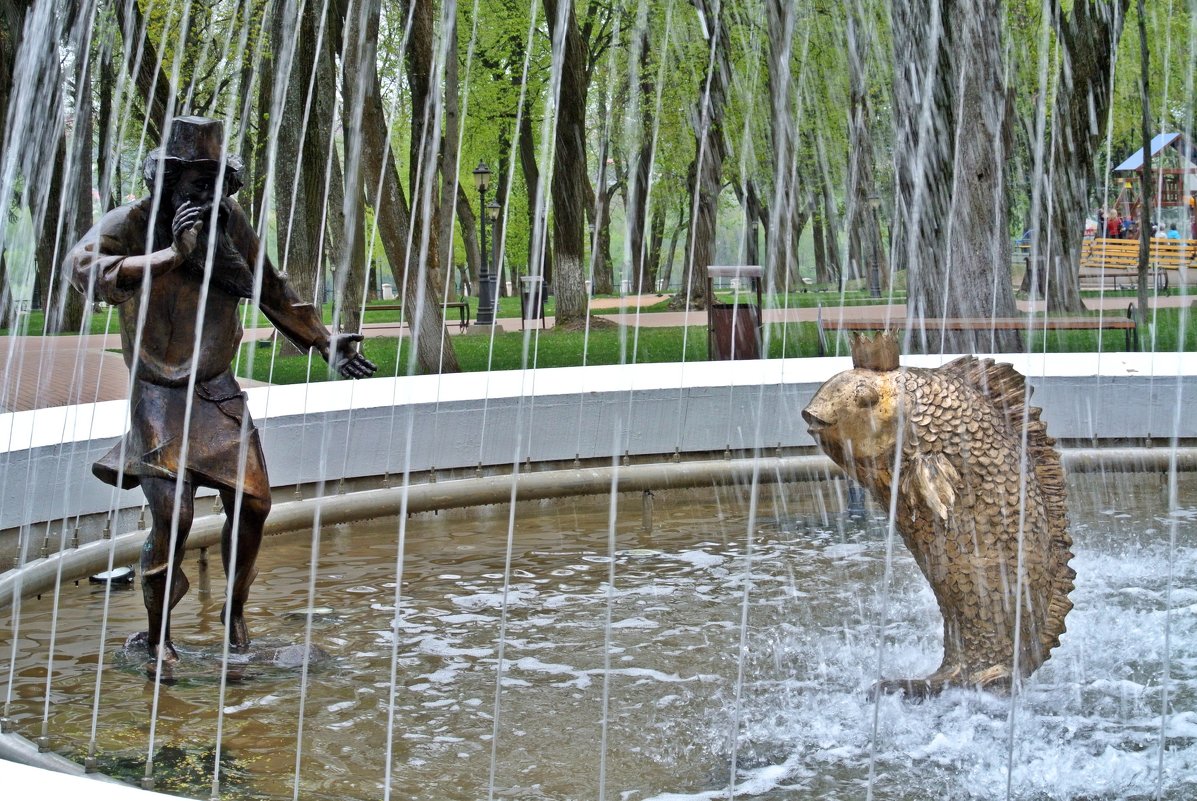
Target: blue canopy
[[1158, 143]]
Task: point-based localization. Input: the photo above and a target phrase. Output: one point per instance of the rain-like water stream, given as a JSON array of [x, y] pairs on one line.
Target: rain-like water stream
[[566, 650]]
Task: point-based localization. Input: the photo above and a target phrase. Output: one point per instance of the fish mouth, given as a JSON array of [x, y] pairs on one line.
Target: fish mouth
[[815, 424]]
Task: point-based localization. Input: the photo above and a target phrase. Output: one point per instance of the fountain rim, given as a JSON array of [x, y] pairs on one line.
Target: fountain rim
[[25, 430]]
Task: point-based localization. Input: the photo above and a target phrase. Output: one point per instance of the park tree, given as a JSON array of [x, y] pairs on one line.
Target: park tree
[[305, 96], [865, 249], [1088, 36], [705, 175], [432, 351], [779, 250], [952, 137], [571, 190]]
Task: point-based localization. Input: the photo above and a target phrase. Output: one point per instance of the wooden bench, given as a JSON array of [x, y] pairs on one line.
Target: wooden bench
[[462, 307], [1104, 258], [1120, 280], [938, 325]]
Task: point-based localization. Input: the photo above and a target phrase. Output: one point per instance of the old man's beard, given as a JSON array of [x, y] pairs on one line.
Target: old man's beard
[[230, 271]]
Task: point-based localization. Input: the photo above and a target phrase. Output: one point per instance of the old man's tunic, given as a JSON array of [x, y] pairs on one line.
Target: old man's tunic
[[221, 445]]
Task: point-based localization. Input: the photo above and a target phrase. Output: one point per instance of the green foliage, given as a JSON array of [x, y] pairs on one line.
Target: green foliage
[[218, 66]]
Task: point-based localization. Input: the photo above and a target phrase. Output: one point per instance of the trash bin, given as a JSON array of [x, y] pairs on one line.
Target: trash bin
[[734, 329], [735, 332], [532, 294]]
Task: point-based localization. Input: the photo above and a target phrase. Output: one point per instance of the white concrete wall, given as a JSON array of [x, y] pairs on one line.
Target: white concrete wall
[[372, 427]]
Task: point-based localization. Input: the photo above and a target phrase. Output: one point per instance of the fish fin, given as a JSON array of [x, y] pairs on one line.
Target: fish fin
[[935, 480], [1006, 388]]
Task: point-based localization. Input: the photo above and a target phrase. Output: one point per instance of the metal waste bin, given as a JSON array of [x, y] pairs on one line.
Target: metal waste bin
[[734, 330], [532, 294]]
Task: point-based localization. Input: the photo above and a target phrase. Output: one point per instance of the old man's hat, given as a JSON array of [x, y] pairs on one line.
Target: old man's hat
[[194, 142]]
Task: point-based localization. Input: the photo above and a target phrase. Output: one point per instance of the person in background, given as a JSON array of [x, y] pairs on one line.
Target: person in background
[[1172, 232], [1113, 225]]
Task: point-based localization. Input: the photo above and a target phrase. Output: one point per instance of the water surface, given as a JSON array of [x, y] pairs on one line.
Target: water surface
[[1087, 727]]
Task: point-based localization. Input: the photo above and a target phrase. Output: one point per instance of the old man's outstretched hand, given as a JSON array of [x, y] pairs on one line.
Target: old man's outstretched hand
[[342, 355]]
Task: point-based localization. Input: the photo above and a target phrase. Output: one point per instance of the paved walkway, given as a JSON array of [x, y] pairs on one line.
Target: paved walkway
[[38, 372]]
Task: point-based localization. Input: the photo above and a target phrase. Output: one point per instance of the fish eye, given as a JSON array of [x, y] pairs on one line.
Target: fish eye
[[867, 397]]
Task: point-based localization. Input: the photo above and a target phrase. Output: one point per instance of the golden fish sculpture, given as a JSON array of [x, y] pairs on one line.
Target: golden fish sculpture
[[961, 438]]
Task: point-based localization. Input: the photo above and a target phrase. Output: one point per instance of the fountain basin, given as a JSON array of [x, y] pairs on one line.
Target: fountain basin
[[690, 421]]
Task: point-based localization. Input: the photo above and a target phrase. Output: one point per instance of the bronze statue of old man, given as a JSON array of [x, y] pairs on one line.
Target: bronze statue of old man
[[176, 265]]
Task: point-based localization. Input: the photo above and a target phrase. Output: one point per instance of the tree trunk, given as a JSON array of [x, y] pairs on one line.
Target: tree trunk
[[636, 208], [12, 31], [706, 171], [1088, 37], [570, 183], [753, 208], [683, 217], [864, 225], [498, 250], [800, 216], [831, 217], [449, 164], [604, 268], [46, 256], [143, 64], [67, 214], [1145, 175], [78, 188], [527, 148], [469, 235], [302, 156], [346, 242], [603, 281], [109, 133], [390, 205], [652, 261], [327, 198], [33, 103], [424, 149], [823, 273], [778, 253], [950, 161], [260, 150]]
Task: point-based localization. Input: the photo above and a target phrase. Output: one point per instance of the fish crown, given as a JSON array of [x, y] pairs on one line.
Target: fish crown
[[875, 353]]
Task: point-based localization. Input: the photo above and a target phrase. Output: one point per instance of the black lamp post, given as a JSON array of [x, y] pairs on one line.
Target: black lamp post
[[875, 266], [486, 286]]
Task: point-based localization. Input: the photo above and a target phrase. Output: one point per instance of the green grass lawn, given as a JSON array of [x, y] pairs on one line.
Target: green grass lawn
[[619, 346], [548, 349], [33, 323]]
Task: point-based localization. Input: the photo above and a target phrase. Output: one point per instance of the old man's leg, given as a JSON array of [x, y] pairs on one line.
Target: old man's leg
[[243, 539], [157, 558]]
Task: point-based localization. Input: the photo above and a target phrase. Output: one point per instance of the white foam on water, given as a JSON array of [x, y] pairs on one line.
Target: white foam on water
[[439, 646], [700, 559], [1088, 725], [516, 596]]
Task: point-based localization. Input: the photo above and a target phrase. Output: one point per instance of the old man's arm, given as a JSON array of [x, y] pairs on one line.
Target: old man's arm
[[107, 265], [298, 321]]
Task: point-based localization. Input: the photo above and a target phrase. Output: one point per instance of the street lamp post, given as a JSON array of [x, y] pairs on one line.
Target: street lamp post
[[874, 265], [486, 286]]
